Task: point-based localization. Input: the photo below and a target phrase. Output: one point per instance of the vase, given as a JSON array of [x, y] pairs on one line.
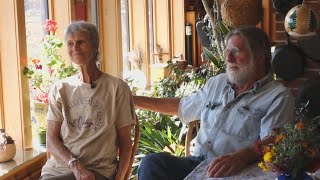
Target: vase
[[40, 110], [300, 176]]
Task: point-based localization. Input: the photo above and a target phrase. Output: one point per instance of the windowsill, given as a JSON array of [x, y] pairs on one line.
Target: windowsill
[[20, 159]]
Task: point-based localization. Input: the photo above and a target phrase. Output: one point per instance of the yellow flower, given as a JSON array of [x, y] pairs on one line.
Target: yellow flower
[[267, 157], [263, 166]]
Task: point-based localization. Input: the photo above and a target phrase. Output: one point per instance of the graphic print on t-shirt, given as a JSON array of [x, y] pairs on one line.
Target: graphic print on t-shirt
[[84, 117]]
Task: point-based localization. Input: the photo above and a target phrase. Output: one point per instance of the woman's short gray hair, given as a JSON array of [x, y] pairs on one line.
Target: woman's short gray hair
[[84, 27], [257, 41]]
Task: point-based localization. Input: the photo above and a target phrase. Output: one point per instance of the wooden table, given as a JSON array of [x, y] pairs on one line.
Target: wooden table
[[253, 172], [25, 165]]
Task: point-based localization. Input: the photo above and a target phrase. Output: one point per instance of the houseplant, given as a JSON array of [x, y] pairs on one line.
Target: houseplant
[[44, 70], [294, 148]]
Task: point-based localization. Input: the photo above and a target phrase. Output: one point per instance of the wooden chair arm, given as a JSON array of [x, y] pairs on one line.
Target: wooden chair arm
[[192, 125], [134, 146]]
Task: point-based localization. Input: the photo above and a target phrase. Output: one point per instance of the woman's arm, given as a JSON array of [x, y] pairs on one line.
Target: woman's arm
[[167, 106], [54, 144], [62, 154], [125, 148]]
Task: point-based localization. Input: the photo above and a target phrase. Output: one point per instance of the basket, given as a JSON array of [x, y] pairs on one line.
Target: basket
[[241, 12], [8, 153]]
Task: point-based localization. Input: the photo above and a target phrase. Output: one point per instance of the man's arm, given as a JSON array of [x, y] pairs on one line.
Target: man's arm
[[168, 106], [62, 154], [230, 164], [125, 147]]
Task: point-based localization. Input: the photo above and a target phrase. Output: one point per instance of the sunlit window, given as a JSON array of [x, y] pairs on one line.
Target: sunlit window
[[132, 60], [36, 14]]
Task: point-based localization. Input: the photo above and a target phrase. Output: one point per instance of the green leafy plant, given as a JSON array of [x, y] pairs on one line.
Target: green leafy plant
[[43, 71], [42, 129], [216, 32]]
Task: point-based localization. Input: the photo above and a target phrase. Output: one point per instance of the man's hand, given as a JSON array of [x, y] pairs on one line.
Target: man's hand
[[81, 172], [226, 165]]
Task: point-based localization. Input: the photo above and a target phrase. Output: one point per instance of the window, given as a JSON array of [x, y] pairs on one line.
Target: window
[[36, 14]]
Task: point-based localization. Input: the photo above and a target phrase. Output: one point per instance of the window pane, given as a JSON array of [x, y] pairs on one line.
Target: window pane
[[36, 13]]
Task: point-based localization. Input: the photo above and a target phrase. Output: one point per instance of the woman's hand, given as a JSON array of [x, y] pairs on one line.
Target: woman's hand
[[81, 172]]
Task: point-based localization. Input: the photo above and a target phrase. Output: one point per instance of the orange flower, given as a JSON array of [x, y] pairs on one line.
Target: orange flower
[[266, 149], [35, 61], [304, 144], [279, 138], [312, 151]]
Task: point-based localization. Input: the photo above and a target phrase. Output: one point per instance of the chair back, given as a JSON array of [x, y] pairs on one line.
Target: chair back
[[194, 125], [134, 145]]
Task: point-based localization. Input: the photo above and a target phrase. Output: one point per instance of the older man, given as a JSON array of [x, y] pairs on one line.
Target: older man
[[236, 109]]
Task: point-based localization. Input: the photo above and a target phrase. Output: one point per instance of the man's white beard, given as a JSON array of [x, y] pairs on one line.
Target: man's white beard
[[241, 75]]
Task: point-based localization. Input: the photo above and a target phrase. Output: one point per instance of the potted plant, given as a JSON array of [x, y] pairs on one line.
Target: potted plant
[[43, 71], [7, 146]]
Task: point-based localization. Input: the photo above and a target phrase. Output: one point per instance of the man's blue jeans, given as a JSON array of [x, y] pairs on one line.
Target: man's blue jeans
[[163, 166]]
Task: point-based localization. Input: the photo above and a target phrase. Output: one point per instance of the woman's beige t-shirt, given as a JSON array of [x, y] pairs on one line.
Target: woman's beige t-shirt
[[89, 120]]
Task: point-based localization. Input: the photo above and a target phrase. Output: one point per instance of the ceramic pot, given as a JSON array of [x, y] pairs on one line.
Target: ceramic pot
[[8, 152], [40, 110]]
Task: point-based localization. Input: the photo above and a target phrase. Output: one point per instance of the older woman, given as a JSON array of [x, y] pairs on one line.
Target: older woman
[[89, 117]]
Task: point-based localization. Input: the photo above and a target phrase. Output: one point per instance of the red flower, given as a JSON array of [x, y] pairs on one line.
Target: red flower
[[38, 66], [51, 70], [42, 98], [299, 125], [51, 25], [276, 130]]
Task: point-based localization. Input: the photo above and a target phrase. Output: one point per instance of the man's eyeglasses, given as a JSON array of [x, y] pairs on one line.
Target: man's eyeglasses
[[234, 52]]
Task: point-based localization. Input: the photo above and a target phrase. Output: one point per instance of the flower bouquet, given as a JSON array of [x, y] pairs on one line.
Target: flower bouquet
[[294, 148], [43, 71]]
